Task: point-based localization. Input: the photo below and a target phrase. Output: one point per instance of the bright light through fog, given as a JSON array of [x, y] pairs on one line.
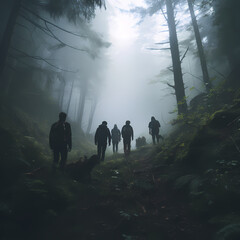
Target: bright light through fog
[[130, 66], [122, 29], [126, 94]]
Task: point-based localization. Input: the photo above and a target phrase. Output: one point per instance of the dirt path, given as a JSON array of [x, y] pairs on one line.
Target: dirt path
[[127, 200]]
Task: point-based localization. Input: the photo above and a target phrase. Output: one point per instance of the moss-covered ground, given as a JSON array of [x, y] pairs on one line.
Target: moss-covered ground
[[186, 187]]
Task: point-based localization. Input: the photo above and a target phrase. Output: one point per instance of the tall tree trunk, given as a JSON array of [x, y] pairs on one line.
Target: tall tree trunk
[[70, 97], [93, 108], [6, 39], [200, 47], [61, 90], [82, 103], [177, 70]]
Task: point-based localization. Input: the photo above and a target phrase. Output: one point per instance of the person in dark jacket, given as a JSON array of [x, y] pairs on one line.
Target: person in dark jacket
[[60, 140], [127, 135], [116, 137], [101, 136], [154, 126]]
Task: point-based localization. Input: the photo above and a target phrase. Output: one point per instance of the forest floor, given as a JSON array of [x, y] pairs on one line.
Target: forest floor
[[127, 199], [186, 187]]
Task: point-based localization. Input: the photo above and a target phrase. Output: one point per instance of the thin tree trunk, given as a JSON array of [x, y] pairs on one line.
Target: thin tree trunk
[[200, 47], [177, 70], [70, 97], [82, 104], [93, 108], [61, 90], [6, 39]]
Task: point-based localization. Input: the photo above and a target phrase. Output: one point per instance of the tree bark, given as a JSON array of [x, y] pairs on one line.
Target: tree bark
[[70, 97], [93, 108], [200, 47], [6, 39], [177, 70], [61, 90], [82, 103]]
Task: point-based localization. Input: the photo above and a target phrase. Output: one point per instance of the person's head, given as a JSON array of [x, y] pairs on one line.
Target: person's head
[[153, 118], [127, 122], [62, 116], [104, 123], [115, 125]]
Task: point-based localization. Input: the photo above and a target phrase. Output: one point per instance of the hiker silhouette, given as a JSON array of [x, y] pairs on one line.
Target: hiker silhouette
[[127, 135], [60, 140], [154, 126], [116, 137], [101, 136]]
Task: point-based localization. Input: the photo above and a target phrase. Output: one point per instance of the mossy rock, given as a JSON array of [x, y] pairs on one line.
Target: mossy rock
[[203, 150], [224, 220], [229, 232], [223, 118], [12, 163]]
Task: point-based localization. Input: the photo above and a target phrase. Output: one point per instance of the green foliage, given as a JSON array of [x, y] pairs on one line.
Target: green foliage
[[183, 181], [141, 141], [229, 232], [73, 9]]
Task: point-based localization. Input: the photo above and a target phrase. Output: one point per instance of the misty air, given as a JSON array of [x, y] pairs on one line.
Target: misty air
[[120, 119]]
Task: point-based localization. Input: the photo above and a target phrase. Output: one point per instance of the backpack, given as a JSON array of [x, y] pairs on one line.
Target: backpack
[[127, 131]]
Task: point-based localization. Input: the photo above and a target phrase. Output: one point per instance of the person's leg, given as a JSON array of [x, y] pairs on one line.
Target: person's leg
[[55, 159], [114, 146], [153, 138], [56, 153], [125, 146], [103, 152], [129, 146], [117, 147], [157, 136], [63, 161], [99, 151]]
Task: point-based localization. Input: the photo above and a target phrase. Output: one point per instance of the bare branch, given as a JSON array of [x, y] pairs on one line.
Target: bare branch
[[36, 67], [35, 24], [162, 43], [48, 32], [194, 76], [38, 16], [222, 75], [41, 59], [171, 86], [157, 49], [23, 26], [184, 55], [152, 48], [65, 44], [11, 67], [163, 13]]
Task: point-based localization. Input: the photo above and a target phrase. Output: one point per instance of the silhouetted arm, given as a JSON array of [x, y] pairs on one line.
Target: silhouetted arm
[[109, 138], [119, 135], [150, 128], [132, 132], [51, 137], [70, 138], [122, 131], [96, 137]]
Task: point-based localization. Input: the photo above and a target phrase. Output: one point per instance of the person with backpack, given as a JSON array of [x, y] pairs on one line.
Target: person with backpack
[[102, 135], [60, 140], [116, 137], [154, 126], [127, 135]]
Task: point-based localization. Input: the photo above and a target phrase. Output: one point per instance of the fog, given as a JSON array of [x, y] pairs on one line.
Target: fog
[[132, 88], [114, 67]]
